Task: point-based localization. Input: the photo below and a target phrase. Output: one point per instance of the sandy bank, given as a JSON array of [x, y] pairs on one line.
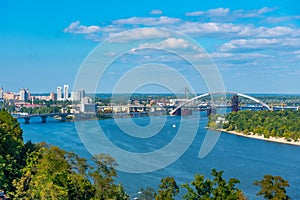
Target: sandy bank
[[261, 137]]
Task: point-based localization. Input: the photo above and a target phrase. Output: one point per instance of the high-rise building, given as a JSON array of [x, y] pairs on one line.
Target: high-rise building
[[23, 94], [66, 92], [76, 96], [28, 94], [82, 93], [1, 93], [59, 94]]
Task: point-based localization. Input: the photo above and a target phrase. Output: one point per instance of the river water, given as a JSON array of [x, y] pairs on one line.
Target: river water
[[243, 158]]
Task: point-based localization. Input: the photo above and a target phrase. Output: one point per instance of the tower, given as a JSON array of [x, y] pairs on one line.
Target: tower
[[28, 94], [235, 103], [66, 92], [58, 94]]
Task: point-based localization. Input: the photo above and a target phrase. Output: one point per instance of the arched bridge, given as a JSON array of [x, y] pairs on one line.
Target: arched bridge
[[42, 116], [216, 93]]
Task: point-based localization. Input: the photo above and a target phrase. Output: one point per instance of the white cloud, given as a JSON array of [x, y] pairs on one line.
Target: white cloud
[[220, 55], [281, 19], [218, 12], [291, 42], [111, 29], [156, 12], [225, 12], [170, 43], [277, 31], [237, 38], [138, 34], [260, 44], [265, 10], [239, 57], [251, 13], [297, 53], [148, 21], [196, 13], [234, 31], [76, 28], [210, 29], [195, 29], [244, 44]]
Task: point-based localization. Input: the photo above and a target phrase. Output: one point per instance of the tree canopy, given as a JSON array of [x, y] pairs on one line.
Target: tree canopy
[[217, 188], [52, 173], [284, 124], [168, 189], [12, 150], [273, 187]]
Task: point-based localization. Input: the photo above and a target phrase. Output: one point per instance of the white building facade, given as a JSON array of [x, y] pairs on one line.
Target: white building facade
[[66, 92], [59, 94], [1, 93]]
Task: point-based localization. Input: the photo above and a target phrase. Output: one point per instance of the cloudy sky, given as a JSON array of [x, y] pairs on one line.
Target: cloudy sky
[[254, 44]]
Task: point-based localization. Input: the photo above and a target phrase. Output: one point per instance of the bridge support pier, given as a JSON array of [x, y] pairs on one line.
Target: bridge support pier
[[178, 112], [27, 119], [63, 118], [44, 119]]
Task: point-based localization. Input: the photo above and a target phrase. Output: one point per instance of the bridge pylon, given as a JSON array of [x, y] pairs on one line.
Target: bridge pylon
[[44, 117], [27, 119]]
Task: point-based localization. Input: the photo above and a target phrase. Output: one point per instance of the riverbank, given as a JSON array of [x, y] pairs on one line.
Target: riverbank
[[261, 137]]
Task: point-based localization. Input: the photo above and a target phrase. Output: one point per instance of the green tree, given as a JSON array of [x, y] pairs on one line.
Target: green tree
[[168, 189], [273, 187], [217, 189], [222, 189], [49, 175], [103, 175], [13, 151], [52, 173]]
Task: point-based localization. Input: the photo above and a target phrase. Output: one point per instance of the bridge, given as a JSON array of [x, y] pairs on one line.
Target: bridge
[[264, 105], [44, 117]]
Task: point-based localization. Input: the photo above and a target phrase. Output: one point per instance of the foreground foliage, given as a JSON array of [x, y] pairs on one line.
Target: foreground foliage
[[273, 187], [217, 188], [48, 175], [168, 189], [12, 151], [52, 173]]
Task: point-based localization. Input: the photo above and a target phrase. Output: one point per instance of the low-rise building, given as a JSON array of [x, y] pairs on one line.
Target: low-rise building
[[9, 96], [87, 107]]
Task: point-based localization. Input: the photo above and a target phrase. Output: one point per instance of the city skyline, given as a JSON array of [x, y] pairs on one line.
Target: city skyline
[[255, 45], [25, 95]]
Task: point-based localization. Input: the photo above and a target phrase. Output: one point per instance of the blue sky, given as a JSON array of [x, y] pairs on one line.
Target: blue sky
[[255, 44]]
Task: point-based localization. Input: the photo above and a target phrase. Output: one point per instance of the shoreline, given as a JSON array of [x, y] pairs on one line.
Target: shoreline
[[260, 137]]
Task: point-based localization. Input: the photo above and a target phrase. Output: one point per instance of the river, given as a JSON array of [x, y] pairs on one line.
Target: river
[[243, 158]]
